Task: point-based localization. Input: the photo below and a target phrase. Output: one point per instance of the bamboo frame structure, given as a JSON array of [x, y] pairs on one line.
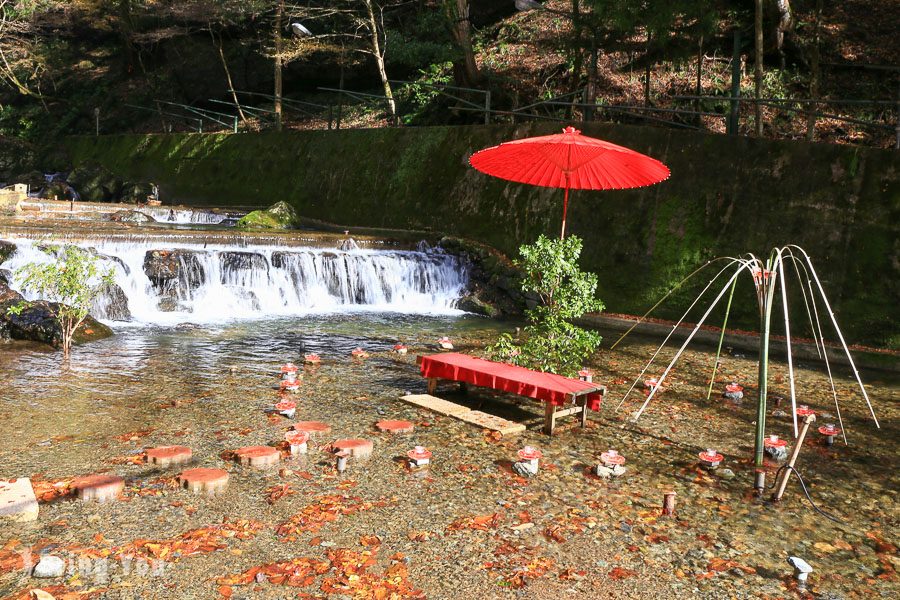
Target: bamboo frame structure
[[769, 277]]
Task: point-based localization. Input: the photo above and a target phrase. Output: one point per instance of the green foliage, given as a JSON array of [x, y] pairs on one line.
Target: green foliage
[[552, 343], [74, 280]]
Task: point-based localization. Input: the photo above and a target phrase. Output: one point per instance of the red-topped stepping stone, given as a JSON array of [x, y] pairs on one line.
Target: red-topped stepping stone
[[258, 456], [169, 455], [204, 481], [313, 428], [98, 487], [395, 426], [356, 447]]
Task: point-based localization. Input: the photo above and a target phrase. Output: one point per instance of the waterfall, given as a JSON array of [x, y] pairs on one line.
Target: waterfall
[[209, 283], [162, 214]]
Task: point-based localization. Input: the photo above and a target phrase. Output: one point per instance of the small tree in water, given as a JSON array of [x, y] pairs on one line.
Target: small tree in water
[[551, 342], [73, 280]]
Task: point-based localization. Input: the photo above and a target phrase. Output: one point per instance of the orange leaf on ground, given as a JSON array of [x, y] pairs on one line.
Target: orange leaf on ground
[[621, 573]]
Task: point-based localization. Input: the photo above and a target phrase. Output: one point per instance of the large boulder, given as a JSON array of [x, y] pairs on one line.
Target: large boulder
[[494, 281], [280, 215], [37, 322], [57, 190], [135, 191], [95, 183], [174, 274]]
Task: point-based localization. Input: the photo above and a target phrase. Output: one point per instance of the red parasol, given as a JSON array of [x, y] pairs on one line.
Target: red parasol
[[569, 160]]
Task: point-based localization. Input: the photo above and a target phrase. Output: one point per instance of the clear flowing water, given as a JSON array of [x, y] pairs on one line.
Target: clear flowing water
[[564, 533], [213, 283], [211, 388]]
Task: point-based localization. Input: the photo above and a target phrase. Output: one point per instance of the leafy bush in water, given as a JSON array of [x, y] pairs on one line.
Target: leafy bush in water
[[73, 280], [551, 342]]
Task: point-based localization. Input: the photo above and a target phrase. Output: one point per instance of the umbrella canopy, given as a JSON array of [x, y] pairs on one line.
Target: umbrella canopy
[[569, 160]]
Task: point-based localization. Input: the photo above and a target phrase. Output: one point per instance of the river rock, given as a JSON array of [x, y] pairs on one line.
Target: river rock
[[173, 273], [280, 215], [724, 473], [135, 191], [473, 304], [134, 217], [112, 304], [37, 323], [49, 566], [58, 190], [6, 276], [232, 261], [7, 249]]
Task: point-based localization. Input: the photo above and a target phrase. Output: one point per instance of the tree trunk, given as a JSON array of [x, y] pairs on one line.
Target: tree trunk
[[577, 57], [591, 96], [698, 88], [758, 66], [815, 75], [126, 28], [378, 53], [234, 97], [457, 12], [785, 24], [647, 71], [279, 16]]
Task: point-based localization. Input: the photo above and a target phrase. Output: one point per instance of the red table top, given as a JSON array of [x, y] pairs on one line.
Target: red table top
[[548, 387]]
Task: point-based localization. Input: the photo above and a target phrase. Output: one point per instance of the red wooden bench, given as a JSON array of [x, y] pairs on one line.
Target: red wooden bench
[[555, 390]]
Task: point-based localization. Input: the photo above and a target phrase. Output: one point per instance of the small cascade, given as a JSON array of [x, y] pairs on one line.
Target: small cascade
[[187, 216], [208, 283]]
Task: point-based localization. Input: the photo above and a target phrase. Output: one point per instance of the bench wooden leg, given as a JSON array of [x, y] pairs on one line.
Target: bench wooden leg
[[432, 385], [549, 418], [584, 413]]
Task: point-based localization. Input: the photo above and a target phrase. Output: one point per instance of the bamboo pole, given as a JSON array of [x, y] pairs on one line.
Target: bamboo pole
[[712, 380], [786, 473]]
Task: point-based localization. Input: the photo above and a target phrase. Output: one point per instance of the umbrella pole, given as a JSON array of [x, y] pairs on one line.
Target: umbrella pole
[[562, 234]]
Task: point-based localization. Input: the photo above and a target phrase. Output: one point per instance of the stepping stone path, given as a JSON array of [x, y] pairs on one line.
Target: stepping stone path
[[258, 456], [98, 487], [17, 501], [357, 448], [204, 481], [169, 455], [395, 426], [313, 428]]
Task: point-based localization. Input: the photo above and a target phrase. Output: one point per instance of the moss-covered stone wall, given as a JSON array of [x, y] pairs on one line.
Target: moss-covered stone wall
[[726, 196]]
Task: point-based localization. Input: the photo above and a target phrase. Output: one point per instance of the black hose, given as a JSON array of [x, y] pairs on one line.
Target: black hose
[[805, 491]]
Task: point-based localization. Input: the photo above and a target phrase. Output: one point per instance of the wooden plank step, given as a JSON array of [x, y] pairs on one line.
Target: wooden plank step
[[436, 404], [464, 413], [492, 422]]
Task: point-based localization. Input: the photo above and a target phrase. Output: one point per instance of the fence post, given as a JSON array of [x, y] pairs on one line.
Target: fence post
[[487, 107], [330, 115], [235, 123], [588, 109], [199, 125], [733, 116]]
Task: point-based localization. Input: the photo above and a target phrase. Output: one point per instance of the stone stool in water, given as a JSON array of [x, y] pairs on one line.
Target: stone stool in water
[[204, 481], [169, 455], [98, 487], [395, 426], [258, 456], [313, 428]]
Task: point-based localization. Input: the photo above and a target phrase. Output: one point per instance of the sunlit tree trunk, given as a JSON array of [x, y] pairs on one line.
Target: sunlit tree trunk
[[815, 75], [758, 67], [378, 52], [279, 16]]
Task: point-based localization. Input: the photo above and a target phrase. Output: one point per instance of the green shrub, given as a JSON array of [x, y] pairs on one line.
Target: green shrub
[[551, 342]]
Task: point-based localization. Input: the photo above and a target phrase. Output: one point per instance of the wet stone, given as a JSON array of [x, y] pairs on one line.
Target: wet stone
[[17, 501], [49, 566]]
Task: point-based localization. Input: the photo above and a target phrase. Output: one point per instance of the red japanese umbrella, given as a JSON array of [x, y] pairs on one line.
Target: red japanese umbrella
[[569, 160]]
